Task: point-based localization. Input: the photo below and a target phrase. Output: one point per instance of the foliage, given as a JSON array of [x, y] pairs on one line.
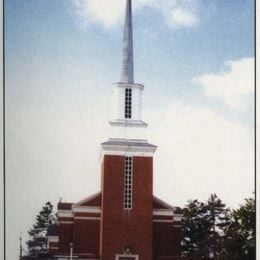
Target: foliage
[[37, 244], [241, 236], [204, 228], [217, 216], [211, 231], [194, 229]]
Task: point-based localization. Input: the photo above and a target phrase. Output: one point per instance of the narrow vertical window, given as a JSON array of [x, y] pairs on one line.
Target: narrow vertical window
[[128, 183], [128, 103]]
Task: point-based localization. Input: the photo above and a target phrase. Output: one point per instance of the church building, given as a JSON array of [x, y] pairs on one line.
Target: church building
[[124, 221]]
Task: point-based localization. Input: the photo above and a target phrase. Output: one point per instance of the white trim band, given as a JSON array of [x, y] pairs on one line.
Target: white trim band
[[86, 209], [163, 212], [88, 218], [65, 213], [66, 222], [163, 220]]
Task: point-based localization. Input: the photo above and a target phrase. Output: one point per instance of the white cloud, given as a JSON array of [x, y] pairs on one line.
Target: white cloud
[[105, 12], [231, 85], [109, 12], [183, 17], [199, 153]]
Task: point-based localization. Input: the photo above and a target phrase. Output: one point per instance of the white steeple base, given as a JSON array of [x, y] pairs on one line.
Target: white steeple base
[[126, 131], [118, 105]]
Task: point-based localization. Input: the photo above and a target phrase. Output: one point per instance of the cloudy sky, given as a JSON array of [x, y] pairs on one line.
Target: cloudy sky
[[196, 61]]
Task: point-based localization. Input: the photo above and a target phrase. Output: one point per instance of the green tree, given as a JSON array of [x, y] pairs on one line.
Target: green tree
[[37, 244], [204, 228], [218, 218], [240, 242], [194, 229]]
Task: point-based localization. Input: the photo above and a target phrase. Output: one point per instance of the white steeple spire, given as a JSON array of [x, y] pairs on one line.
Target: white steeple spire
[[127, 74], [126, 118]]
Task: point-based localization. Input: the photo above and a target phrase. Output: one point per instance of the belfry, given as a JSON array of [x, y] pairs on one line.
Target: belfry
[[124, 221]]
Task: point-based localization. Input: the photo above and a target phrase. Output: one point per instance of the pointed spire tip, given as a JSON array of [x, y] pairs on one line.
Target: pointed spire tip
[[127, 75]]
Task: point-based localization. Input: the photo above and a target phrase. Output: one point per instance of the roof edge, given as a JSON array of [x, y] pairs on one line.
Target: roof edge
[[89, 198]]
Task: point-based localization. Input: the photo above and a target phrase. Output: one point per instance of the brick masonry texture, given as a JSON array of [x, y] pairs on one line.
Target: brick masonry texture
[[86, 236], [120, 227]]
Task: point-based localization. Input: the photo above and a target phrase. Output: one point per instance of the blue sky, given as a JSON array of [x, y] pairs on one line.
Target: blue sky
[[215, 39], [56, 36], [195, 59]]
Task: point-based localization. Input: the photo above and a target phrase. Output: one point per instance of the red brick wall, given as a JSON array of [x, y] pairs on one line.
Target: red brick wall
[[166, 240], [86, 236], [177, 240], [120, 227], [157, 205], [96, 201], [53, 247], [65, 237]]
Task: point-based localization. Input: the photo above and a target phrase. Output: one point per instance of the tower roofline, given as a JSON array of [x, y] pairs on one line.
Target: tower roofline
[[130, 147]]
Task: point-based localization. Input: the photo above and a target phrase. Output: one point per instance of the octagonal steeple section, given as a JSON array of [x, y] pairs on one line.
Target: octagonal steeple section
[[127, 105]]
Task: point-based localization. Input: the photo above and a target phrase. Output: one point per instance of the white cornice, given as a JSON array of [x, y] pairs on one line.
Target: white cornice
[[127, 85], [128, 123], [127, 153], [128, 147]]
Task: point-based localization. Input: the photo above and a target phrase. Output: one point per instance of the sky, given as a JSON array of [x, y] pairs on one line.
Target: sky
[[196, 60]]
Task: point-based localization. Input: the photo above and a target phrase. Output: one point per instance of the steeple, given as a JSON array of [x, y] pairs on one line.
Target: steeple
[[127, 95], [127, 74]]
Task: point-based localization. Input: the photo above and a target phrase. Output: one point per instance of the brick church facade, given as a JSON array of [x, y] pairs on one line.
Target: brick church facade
[[124, 221]]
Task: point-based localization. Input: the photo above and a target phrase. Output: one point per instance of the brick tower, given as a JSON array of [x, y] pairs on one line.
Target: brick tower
[[127, 169], [124, 221]]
